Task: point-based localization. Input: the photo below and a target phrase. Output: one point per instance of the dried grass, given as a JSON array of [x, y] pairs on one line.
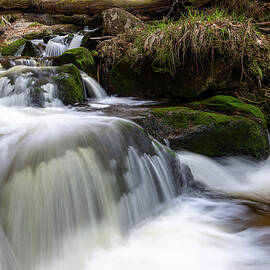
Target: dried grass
[[198, 39]]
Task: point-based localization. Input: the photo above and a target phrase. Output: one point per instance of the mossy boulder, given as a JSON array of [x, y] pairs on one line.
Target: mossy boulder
[[141, 82], [230, 105], [188, 83], [12, 48], [82, 58], [70, 85], [209, 133], [116, 21]]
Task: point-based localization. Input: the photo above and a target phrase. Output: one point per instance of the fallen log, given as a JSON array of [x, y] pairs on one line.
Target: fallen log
[[81, 6]]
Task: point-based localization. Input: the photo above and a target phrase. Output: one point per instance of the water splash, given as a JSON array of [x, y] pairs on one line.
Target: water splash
[[233, 175], [64, 173]]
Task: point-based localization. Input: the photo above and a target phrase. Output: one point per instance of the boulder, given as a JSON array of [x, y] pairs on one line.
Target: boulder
[[242, 131], [82, 58], [12, 48], [70, 85], [188, 83], [29, 50], [116, 21]]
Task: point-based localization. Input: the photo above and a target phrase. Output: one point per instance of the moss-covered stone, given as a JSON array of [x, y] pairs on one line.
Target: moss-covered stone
[[69, 82], [230, 105], [12, 48], [82, 58], [210, 134], [142, 82], [187, 84]]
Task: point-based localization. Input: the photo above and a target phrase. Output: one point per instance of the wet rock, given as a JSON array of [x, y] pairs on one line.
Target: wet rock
[[241, 131], [82, 58], [13, 47], [70, 85], [29, 50], [116, 21], [188, 83]]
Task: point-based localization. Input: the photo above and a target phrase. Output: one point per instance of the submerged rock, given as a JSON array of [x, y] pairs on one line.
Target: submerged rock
[[116, 21], [210, 133], [82, 58], [70, 85]]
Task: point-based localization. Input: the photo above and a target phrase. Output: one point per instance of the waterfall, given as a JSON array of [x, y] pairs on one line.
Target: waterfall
[[54, 48], [85, 191], [75, 42], [35, 86], [63, 173], [29, 86], [92, 88]]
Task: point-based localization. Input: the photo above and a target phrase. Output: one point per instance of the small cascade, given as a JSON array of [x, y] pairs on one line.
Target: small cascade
[[35, 86], [29, 86], [24, 62], [92, 88], [66, 173], [55, 48], [75, 42]]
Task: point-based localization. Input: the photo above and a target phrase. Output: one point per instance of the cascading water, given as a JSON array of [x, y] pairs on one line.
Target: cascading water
[[82, 172], [84, 191], [55, 46], [35, 86], [76, 41]]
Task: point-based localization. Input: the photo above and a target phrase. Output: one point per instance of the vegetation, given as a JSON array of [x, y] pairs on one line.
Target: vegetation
[[12, 48], [230, 105], [35, 24], [82, 58], [197, 38], [69, 82], [212, 134]]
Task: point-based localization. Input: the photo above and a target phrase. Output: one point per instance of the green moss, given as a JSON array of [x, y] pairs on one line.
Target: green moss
[[213, 134], [35, 24], [236, 136], [144, 82], [69, 82], [12, 48], [82, 58], [198, 39], [35, 35], [229, 105], [183, 117]]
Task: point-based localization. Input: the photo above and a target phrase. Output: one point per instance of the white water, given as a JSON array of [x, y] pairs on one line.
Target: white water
[[59, 44], [92, 88], [235, 176], [79, 191], [20, 86], [75, 42], [65, 174]]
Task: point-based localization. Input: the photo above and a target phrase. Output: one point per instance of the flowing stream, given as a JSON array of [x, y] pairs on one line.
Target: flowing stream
[[85, 191]]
